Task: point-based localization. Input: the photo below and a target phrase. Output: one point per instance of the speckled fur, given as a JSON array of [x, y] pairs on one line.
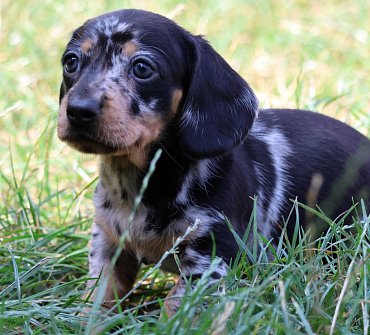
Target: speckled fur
[[135, 82]]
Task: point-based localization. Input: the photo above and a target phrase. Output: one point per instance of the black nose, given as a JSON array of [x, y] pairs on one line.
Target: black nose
[[82, 112]]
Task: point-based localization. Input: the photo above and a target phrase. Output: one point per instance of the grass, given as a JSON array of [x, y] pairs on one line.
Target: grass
[[294, 54]]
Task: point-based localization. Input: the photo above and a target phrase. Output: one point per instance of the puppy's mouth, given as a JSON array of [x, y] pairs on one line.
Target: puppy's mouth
[[90, 144]]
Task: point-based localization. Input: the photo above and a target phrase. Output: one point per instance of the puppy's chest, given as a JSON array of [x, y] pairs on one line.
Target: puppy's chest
[[114, 214], [150, 232]]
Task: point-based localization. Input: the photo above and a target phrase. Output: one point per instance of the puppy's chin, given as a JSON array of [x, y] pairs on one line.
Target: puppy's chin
[[88, 147], [84, 144], [134, 154]]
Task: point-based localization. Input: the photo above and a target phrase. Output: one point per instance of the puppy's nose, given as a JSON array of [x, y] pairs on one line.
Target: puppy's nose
[[82, 112]]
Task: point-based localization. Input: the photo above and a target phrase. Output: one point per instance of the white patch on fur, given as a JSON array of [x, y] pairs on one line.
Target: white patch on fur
[[100, 251], [110, 25], [183, 196], [201, 264], [206, 216], [146, 53], [258, 169], [199, 173], [245, 99], [122, 27], [119, 61], [153, 104], [191, 117], [148, 108], [279, 150]]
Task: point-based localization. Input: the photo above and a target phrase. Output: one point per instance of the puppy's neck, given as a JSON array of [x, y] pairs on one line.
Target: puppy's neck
[[171, 181], [120, 176]]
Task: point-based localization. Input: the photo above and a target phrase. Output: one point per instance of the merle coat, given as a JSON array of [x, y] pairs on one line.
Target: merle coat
[[135, 82]]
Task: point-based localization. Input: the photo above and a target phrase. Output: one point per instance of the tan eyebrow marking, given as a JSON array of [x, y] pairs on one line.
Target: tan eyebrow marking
[[87, 45], [129, 48], [175, 100]]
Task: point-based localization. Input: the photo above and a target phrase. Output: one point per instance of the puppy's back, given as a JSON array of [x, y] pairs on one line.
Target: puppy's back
[[324, 161]]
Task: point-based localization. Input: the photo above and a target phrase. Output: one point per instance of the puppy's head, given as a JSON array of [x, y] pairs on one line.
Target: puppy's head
[[128, 74]]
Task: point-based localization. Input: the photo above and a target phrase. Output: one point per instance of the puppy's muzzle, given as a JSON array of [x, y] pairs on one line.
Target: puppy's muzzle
[[83, 112]]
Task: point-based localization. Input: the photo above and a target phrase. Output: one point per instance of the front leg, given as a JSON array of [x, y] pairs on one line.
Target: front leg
[[193, 264], [124, 273]]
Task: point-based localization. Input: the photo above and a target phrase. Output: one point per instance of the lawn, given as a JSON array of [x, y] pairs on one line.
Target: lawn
[[305, 54]]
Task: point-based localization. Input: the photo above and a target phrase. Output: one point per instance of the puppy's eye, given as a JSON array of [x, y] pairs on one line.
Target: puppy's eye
[[142, 70], [70, 63]]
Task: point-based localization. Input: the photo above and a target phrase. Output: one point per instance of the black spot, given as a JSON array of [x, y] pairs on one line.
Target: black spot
[[107, 204], [135, 107], [124, 195], [189, 263], [102, 41], [103, 100], [215, 275], [122, 36], [194, 276], [118, 228], [92, 254]]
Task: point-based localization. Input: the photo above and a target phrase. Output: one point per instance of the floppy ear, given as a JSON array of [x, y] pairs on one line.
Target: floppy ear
[[219, 107]]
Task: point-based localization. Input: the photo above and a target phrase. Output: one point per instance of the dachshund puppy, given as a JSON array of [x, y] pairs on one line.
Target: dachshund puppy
[[133, 82]]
